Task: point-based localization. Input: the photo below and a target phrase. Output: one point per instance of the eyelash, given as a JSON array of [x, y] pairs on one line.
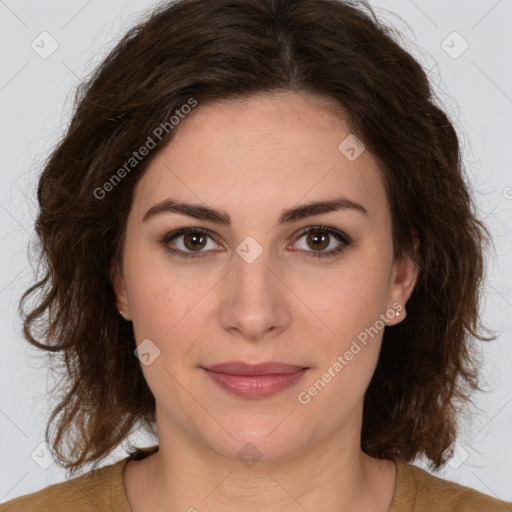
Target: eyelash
[[339, 235]]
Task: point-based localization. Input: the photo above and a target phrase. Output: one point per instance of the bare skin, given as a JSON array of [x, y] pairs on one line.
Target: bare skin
[[253, 159]]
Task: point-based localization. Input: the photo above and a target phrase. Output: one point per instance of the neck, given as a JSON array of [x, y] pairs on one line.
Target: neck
[[185, 474]]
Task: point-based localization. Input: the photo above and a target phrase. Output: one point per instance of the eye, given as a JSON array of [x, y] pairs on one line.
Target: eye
[[195, 239], [320, 237]]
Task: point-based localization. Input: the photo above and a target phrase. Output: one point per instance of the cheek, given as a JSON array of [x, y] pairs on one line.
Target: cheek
[[349, 299], [168, 308], [347, 308], [157, 292], [345, 364], [150, 303], [347, 352]]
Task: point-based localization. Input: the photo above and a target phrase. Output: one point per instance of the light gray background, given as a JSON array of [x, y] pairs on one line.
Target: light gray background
[[35, 97]]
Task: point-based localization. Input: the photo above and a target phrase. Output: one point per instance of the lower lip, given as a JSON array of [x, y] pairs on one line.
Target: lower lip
[[255, 386]]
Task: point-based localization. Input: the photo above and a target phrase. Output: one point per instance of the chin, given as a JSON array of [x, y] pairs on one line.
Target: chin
[[268, 440]]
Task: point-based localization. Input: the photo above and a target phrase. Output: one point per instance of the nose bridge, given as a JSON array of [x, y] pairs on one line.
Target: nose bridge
[[251, 273], [252, 303]]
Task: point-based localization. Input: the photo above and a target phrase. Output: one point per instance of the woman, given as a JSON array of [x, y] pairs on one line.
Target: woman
[[259, 243]]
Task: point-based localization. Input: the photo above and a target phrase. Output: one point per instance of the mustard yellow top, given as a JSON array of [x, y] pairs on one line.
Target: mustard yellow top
[[102, 490]]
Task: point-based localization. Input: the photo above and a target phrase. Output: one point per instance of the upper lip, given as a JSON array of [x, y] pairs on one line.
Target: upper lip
[[243, 368]]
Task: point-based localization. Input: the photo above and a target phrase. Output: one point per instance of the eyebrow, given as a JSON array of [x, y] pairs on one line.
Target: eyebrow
[[294, 214]]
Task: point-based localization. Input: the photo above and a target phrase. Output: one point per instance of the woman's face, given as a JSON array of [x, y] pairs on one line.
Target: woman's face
[[252, 288]]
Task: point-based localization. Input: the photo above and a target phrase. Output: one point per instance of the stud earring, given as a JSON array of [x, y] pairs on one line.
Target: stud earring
[[398, 313]]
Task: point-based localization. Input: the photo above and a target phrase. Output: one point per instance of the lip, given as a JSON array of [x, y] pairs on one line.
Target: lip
[[243, 368], [254, 381]]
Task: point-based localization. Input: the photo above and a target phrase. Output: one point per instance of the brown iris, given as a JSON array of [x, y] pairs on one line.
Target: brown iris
[[197, 240], [318, 237]]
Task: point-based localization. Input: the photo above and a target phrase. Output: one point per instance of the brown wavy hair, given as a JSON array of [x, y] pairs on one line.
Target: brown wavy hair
[[229, 49]]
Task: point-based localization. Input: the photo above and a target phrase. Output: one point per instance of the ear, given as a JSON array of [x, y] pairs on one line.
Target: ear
[[403, 279], [119, 286]]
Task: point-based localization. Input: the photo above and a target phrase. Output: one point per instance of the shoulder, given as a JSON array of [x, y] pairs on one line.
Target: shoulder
[[419, 491], [99, 489]]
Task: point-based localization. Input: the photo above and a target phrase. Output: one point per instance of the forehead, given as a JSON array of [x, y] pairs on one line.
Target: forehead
[[249, 156]]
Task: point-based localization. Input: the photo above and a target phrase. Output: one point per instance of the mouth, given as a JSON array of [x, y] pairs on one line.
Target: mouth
[[254, 381], [242, 368]]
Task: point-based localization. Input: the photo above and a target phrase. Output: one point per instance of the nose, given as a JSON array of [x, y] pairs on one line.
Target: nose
[[255, 301]]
